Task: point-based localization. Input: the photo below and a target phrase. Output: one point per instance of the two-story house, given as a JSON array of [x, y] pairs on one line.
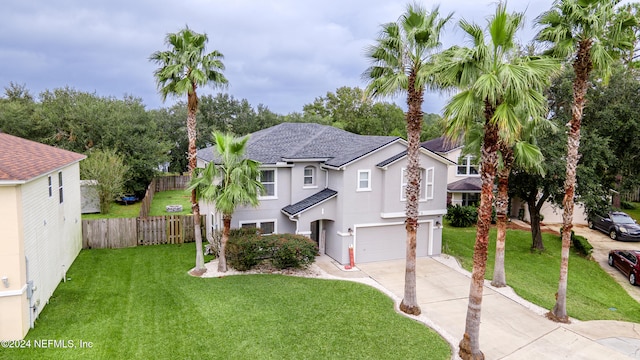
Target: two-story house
[[464, 184], [463, 178], [40, 228], [340, 189]]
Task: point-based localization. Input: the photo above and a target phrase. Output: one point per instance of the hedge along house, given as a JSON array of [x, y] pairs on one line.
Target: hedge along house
[[340, 189], [40, 228]]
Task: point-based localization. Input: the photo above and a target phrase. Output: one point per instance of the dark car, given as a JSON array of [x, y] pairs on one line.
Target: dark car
[[617, 224], [628, 262]]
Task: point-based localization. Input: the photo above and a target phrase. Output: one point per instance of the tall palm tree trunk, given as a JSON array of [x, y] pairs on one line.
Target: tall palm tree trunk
[[192, 107], [226, 228], [582, 67], [409, 303], [470, 343], [502, 202]]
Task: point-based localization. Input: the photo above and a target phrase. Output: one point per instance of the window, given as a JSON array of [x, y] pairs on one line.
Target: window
[[426, 184], [50, 186], [466, 165], [309, 176], [364, 180], [470, 199], [268, 180], [60, 187], [267, 227]]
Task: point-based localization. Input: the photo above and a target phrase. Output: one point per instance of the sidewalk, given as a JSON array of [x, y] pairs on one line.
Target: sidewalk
[[511, 327]]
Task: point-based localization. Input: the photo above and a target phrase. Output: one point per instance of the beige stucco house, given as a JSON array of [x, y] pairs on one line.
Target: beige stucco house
[[40, 228]]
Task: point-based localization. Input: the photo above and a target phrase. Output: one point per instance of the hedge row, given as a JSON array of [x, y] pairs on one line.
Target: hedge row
[[246, 248]]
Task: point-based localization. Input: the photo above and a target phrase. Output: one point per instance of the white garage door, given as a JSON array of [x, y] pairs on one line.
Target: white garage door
[[378, 243]]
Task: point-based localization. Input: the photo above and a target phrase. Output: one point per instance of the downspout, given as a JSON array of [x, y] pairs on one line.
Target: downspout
[[292, 218]]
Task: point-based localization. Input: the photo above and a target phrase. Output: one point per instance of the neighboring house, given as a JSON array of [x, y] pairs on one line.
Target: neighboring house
[[464, 185], [341, 190], [463, 179], [40, 228]]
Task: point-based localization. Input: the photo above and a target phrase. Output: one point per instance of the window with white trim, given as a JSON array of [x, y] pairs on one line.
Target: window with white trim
[[268, 180], [426, 184], [309, 176], [466, 165], [266, 227], [50, 186], [364, 180], [60, 189]]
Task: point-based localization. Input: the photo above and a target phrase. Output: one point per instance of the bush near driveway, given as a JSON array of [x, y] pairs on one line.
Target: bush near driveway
[[246, 248], [140, 303]]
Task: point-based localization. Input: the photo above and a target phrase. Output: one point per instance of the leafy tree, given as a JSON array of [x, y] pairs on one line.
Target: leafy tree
[[182, 69], [496, 83], [577, 30], [231, 180], [108, 169], [401, 64]]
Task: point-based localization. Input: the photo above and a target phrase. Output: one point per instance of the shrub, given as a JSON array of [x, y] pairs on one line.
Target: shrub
[[581, 244], [462, 216], [244, 248], [626, 205], [292, 251], [247, 248]]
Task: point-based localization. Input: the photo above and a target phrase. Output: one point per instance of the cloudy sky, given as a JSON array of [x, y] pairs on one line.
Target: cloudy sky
[[279, 53]]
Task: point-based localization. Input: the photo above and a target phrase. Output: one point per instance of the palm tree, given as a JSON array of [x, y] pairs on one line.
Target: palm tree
[[182, 69], [579, 30], [495, 85], [400, 64], [526, 155], [229, 181]]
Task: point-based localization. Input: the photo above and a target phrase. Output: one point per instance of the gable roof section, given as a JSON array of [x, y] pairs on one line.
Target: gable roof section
[[309, 202], [441, 145], [403, 154], [303, 141], [470, 184], [22, 160]]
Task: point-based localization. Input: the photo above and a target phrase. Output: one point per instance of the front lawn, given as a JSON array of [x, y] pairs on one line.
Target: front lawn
[[592, 293], [139, 303]]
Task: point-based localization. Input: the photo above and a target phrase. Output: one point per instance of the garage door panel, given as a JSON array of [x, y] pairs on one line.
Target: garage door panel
[[379, 243]]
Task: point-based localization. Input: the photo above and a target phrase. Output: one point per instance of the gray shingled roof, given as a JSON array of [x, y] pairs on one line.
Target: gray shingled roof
[[441, 145], [470, 184], [309, 202], [293, 141]]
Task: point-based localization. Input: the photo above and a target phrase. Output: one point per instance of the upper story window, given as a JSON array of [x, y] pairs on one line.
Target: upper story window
[[364, 180], [268, 180], [466, 165], [309, 176], [426, 184], [60, 190], [50, 186]]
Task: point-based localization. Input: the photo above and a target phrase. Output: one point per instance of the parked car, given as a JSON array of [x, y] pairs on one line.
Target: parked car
[[628, 262], [617, 224]]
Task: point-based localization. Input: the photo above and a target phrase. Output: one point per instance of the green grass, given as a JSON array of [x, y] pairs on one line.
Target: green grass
[[592, 293], [117, 211], [140, 303], [171, 197], [634, 213]]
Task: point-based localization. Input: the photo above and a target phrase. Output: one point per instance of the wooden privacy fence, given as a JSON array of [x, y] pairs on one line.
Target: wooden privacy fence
[[129, 232], [176, 182]]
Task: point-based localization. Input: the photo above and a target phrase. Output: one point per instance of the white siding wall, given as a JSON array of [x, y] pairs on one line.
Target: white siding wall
[[53, 230]]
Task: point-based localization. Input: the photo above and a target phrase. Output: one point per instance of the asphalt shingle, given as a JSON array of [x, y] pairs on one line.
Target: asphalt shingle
[[309, 202], [23, 160], [291, 141]]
